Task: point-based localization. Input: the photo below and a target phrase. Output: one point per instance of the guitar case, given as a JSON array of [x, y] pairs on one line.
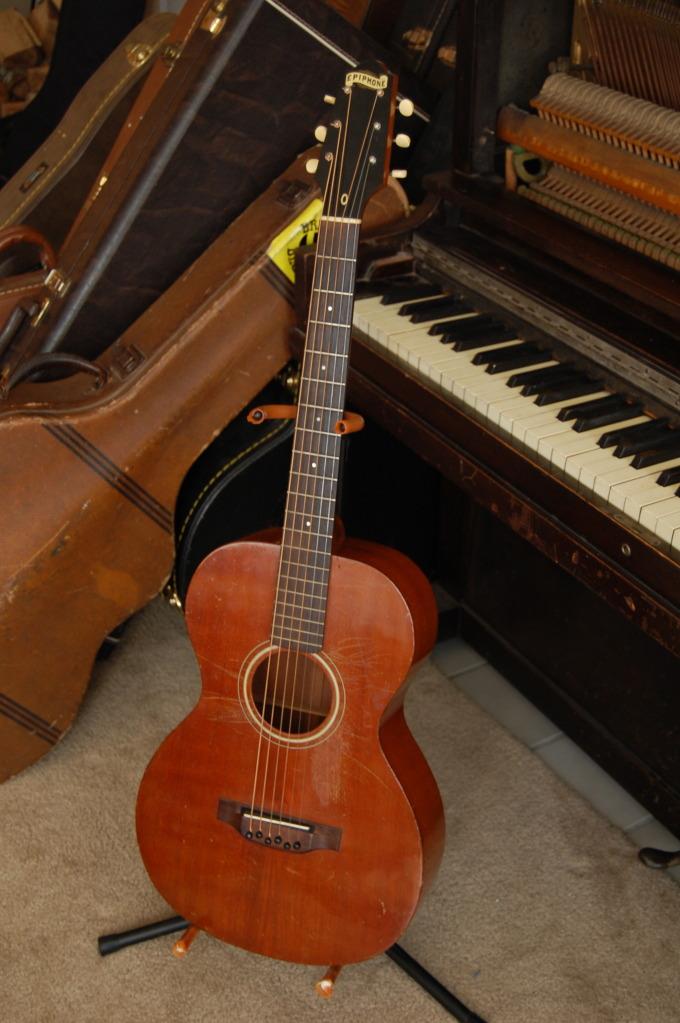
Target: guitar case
[[92, 464], [86, 34], [47, 191], [237, 487], [260, 113]]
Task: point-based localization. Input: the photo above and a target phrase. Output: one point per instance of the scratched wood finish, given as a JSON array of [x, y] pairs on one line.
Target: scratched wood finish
[[90, 476], [367, 777]]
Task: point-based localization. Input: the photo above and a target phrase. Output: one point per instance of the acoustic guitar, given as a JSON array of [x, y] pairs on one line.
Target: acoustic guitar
[[292, 813]]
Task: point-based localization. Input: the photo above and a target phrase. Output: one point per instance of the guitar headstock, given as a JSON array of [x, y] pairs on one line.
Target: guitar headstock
[[356, 146]]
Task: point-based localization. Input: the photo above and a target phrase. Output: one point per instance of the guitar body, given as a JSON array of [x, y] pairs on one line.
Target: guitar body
[[348, 779]]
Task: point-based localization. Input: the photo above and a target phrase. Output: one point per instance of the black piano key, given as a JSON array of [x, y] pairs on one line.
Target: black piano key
[[616, 415], [519, 360], [532, 380], [661, 452], [468, 326], [429, 306], [465, 324], [649, 429], [576, 388], [612, 401], [506, 354], [396, 293], [646, 443], [669, 476]]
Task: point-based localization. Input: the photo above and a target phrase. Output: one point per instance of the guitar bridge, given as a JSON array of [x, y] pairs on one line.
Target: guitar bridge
[[271, 829]]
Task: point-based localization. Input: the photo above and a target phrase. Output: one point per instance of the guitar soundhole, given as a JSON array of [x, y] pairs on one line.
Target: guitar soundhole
[[291, 692]]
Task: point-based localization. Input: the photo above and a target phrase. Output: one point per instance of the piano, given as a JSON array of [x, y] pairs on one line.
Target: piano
[[534, 367]]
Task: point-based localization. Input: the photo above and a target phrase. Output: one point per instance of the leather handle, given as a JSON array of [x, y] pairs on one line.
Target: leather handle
[[54, 360], [19, 234]]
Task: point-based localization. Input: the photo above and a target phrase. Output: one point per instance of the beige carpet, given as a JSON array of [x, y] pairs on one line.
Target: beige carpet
[[541, 913]]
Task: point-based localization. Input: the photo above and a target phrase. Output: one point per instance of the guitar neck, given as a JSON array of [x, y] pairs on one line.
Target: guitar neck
[[300, 609]]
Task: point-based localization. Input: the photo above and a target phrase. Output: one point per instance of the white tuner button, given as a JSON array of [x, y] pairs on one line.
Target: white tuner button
[[312, 166], [320, 133], [329, 99], [406, 107], [399, 173], [403, 141]]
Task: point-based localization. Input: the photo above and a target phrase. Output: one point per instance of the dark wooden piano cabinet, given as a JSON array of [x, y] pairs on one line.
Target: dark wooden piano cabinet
[[572, 600]]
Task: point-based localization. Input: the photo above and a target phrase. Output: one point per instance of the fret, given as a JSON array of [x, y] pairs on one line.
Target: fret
[[342, 259], [324, 408], [311, 532], [295, 547], [308, 610], [331, 383], [313, 497], [278, 631], [316, 476], [331, 291], [333, 355], [321, 433], [312, 515], [330, 323]]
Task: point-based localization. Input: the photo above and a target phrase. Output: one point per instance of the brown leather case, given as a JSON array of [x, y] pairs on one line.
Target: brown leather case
[[46, 194], [48, 191], [261, 112], [91, 469]]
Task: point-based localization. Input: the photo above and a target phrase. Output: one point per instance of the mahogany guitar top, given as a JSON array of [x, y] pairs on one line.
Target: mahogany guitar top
[[351, 897]]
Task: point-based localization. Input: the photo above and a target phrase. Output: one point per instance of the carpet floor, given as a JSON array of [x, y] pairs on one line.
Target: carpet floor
[[541, 912]]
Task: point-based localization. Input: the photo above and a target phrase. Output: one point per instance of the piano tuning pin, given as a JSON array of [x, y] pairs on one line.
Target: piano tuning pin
[[398, 173], [329, 99], [320, 133], [403, 141], [406, 107], [312, 166]]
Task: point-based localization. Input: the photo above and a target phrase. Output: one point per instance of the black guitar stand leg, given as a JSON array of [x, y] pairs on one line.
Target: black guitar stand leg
[[109, 943]]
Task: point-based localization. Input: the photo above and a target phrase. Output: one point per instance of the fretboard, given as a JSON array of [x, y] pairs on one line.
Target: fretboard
[[300, 610]]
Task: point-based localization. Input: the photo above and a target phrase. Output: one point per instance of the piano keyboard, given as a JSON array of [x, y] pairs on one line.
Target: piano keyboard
[[603, 440]]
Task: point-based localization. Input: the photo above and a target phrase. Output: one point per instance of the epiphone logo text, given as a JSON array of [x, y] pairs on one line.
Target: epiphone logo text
[[370, 81]]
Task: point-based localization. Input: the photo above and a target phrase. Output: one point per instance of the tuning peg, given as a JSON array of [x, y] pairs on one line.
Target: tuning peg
[[329, 99], [406, 107], [398, 173], [312, 166], [403, 141], [320, 133]]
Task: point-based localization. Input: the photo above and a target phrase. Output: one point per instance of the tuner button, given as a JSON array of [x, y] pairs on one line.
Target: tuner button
[[403, 141], [320, 133], [406, 107], [312, 166], [399, 173], [329, 99]]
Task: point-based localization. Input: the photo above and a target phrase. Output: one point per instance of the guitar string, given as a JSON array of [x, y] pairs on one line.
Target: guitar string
[[344, 272], [312, 379], [262, 716], [281, 598]]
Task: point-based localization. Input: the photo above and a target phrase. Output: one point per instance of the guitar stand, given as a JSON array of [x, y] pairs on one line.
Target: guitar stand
[[109, 943]]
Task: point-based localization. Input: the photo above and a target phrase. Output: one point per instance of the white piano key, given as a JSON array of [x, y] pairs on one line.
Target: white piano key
[[663, 518], [635, 495]]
